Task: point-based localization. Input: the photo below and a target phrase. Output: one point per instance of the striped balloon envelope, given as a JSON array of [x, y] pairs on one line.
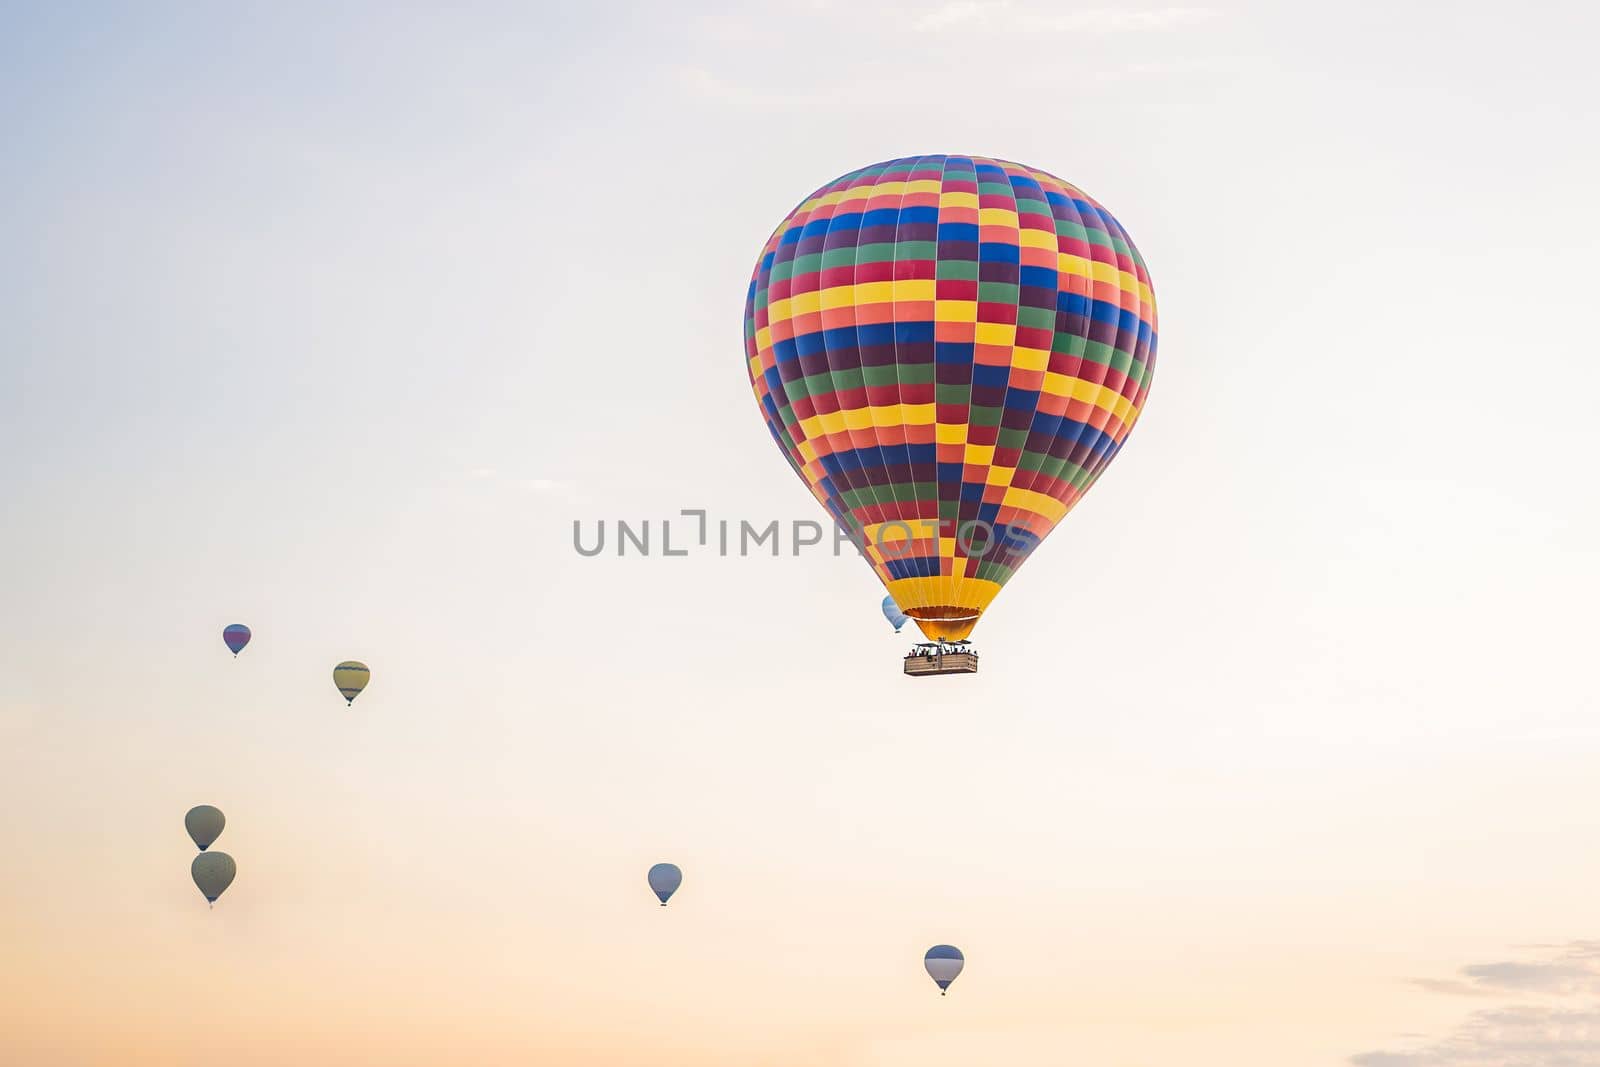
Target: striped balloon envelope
[[351, 677], [949, 350], [236, 637], [944, 964]]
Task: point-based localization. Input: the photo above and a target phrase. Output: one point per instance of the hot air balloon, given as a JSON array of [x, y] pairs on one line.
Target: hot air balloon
[[236, 637], [213, 873], [351, 678], [204, 824], [664, 879], [943, 964], [949, 350], [892, 612]]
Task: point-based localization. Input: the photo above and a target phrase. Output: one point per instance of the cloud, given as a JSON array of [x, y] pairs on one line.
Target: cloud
[[1507, 1037], [1008, 17], [1571, 969], [1516, 1035], [1453, 987], [1562, 977]]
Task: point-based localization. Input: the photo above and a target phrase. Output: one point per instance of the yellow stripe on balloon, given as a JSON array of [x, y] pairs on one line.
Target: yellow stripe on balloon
[[913, 289], [1104, 272], [1030, 238], [1067, 263], [1030, 359], [967, 596], [1038, 503], [995, 333], [838, 296], [874, 292]]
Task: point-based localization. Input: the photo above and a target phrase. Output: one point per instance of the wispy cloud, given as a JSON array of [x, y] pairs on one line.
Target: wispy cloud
[[1569, 969], [1006, 16], [1517, 1035], [1566, 976], [1453, 987], [1507, 1037]]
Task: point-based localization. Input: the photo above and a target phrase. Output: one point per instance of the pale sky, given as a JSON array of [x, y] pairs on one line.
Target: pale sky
[[332, 323]]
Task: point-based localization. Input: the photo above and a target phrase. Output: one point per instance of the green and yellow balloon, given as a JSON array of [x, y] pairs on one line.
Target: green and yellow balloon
[[351, 677]]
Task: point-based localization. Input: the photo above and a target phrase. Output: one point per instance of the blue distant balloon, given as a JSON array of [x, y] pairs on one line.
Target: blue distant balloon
[[892, 612], [236, 637], [664, 878]]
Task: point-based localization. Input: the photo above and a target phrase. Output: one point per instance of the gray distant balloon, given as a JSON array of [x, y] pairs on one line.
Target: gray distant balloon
[[204, 825], [943, 964], [664, 878], [213, 872]]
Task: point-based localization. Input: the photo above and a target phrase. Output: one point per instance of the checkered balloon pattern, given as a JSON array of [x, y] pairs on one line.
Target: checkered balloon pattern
[[949, 350]]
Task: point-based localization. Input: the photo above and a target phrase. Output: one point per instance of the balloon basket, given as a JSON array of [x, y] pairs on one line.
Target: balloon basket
[[943, 657]]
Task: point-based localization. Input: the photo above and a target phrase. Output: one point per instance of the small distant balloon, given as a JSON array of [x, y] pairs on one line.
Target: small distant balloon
[[664, 878], [351, 677], [943, 963], [236, 637], [204, 824], [892, 612], [213, 873]]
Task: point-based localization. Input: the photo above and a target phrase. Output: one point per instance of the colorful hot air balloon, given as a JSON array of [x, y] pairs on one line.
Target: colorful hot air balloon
[[664, 879], [236, 637], [949, 350], [351, 677], [943, 964], [892, 612], [213, 873], [204, 824]]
